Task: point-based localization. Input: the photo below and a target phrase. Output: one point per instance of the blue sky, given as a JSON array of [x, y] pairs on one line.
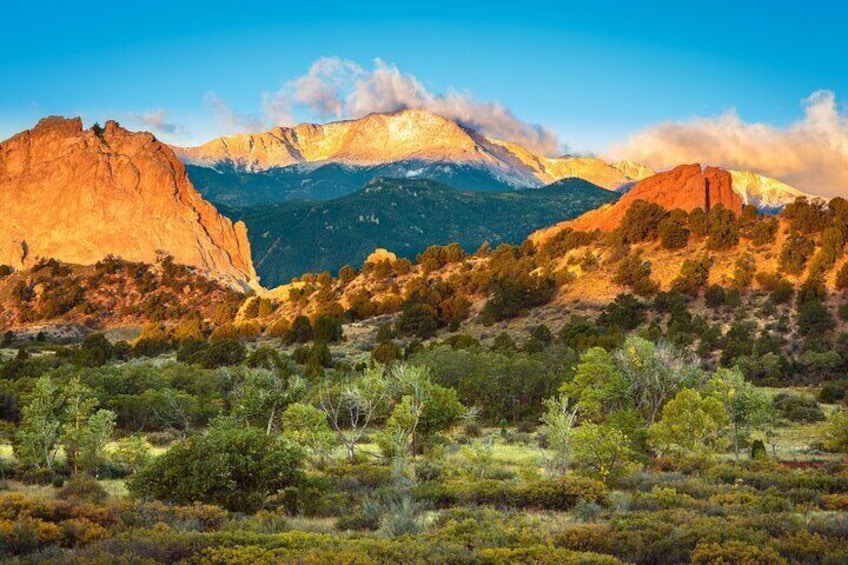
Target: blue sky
[[592, 72]]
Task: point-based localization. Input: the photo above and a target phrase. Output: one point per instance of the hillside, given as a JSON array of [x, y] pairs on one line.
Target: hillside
[[111, 293], [108, 191], [228, 185], [686, 187], [406, 216]]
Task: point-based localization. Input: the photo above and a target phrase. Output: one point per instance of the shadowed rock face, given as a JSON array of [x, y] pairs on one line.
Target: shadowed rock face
[[79, 195], [686, 187]]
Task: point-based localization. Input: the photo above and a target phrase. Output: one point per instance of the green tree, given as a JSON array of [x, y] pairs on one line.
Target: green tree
[[795, 252], [672, 230], [232, 465], [654, 373], [352, 405], [744, 270], [328, 329], [638, 375], [94, 351], [95, 436], [641, 221], [424, 408], [764, 231], [690, 423], [78, 406], [635, 272], [724, 230], [835, 432], [132, 453], [260, 395], [598, 386], [300, 331], [307, 426], [36, 441], [693, 277], [747, 408], [559, 418], [602, 452]]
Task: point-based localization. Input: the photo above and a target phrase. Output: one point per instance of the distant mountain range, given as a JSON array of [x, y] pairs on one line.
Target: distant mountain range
[[326, 161], [313, 161], [315, 197], [405, 216]]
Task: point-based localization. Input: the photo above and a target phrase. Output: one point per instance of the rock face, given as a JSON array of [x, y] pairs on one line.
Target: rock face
[[686, 187], [379, 255], [404, 136], [79, 195]]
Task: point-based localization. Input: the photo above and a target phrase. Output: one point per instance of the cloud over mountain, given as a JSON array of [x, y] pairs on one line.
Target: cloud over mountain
[[158, 122], [340, 88], [811, 153]]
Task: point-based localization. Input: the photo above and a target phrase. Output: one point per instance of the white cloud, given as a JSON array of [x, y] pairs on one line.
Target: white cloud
[[337, 88], [157, 122], [231, 120], [810, 154]]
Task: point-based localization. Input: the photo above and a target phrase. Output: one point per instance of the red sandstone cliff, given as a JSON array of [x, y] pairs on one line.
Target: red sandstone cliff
[[686, 187], [78, 195]]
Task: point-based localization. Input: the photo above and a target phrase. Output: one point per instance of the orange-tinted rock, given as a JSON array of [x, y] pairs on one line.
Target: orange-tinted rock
[[79, 195], [686, 187]]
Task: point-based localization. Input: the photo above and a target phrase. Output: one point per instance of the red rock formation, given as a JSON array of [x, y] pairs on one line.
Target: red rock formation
[[78, 195], [686, 187]]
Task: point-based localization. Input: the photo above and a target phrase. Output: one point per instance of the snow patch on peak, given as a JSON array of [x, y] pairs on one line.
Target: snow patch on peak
[[764, 192]]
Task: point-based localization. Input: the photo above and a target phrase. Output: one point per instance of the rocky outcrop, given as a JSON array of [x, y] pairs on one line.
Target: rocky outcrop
[[379, 255], [686, 187], [79, 195]]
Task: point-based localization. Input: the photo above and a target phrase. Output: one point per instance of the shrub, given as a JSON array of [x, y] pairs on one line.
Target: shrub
[[236, 467], [764, 231], [328, 329], [795, 252], [223, 353], [715, 296], [419, 320], [514, 296], [780, 289], [835, 433], [635, 272], [744, 270], [641, 221], [710, 553], [807, 216], [797, 408], [672, 231], [842, 277], [832, 392], [723, 231], [694, 274], [82, 488], [548, 494], [300, 331]]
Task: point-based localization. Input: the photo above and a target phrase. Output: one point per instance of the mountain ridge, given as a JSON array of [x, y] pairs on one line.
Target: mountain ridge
[[406, 135], [405, 216]]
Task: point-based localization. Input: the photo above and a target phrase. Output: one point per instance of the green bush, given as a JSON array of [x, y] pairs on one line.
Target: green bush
[[236, 467], [797, 408]]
